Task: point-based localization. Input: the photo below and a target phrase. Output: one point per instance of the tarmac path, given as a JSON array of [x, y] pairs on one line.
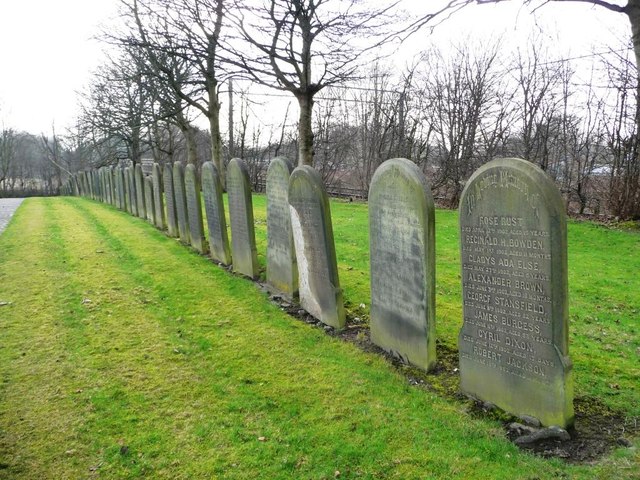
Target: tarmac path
[[8, 206]]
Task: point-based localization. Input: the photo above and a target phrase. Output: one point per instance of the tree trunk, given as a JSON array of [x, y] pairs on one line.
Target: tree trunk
[[232, 147], [192, 149], [305, 131], [633, 13], [214, 127]]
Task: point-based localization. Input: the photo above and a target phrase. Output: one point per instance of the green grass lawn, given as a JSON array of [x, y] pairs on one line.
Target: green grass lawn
[[124, 354]]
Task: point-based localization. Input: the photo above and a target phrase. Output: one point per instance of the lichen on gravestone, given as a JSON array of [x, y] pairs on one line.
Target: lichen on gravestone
[[319, 285], [514, 348], [402, 252]]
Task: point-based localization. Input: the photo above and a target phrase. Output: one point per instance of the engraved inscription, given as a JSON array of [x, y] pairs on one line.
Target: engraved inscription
[[400, 255], [506, 268]]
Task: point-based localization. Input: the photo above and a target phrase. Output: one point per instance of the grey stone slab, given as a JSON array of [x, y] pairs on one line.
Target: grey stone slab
[[148, 200], [319, 285], [158, 197], [126, 189], [102, 191], [83, 186], [8, 207], [133, 203], [107, 185], [181, 202], [282, 269], [214, 207], [243, 239], [114, 187], [96, 185], [123, 188], [120, 188], [402, 250], [514, 349], [140, 195], [194, 209], [169, 197]]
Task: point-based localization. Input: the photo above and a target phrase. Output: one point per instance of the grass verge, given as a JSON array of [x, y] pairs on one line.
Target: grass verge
[[125, 355]]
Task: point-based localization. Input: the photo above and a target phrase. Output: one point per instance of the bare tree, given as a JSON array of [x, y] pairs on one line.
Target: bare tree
[[181, 39], [461, 93], [623, 139], [116, 107], [8, 148], [303, 46]]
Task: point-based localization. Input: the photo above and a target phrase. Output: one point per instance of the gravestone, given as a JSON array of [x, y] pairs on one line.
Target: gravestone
[[96, 184], [216, 222], [133, 206], [158, 198], [148, 200], [282, 270], [243, 239], [127, 190], [139, 182], [114, 187], [514, 340], [105, 185], [402, 252], [319, 286], [169, 197], [107, 182], [180, 202], [194, 209], [121, 186]]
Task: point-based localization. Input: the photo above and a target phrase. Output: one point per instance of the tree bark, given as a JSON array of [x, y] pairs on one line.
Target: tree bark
[[305, 130], [214, 127]]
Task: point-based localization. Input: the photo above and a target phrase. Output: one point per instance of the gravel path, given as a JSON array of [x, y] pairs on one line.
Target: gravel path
[[8, 206]]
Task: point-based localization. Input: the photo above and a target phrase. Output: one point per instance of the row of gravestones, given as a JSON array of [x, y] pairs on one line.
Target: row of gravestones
[[514, 340]]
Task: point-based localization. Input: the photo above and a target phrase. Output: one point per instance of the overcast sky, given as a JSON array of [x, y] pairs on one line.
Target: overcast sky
[[47, 50]]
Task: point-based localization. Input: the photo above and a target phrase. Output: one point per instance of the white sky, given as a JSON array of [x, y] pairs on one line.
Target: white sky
[[47, 51]]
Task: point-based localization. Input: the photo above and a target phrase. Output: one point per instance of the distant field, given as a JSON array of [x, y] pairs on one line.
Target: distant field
[[124, 354]]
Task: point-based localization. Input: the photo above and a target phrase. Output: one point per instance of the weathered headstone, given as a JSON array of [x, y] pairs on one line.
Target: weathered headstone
[[96, 185], [115, 197], [402, 252], [243, 238], [513, 345], [103, 185], [194, 209], [180, 202], [158, 198], [139, 182], [121, 186], [116, 192], [282, 270], [319, 286], [127, 191], [148, 200], [216, 222], [114, 186], [169, 196], [132, 192], [107, 182]]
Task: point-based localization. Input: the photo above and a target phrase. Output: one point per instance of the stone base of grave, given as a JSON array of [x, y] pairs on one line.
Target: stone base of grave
[[401, 341], [550, 401]]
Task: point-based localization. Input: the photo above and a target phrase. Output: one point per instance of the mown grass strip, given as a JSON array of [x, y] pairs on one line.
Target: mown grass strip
[[173, 368]]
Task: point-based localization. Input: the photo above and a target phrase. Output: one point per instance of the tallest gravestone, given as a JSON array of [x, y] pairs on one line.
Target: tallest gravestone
[[514, 340]]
